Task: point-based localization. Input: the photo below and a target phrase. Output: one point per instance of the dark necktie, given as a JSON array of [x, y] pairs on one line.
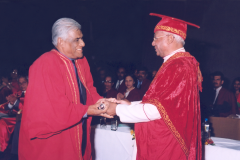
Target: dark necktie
[[118, 84], [83, 98], [139, 84], [23, 94]]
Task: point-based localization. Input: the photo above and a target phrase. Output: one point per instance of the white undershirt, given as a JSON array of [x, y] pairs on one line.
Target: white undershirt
[[139, 112], [171, 54]]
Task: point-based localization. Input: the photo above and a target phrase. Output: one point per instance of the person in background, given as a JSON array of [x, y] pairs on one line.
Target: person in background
[[142, 81], [109, 91], [120, 84], [14, 81], [13, 109], [5, 89], [23, 84], [99, 81], [131, 93], [236, 90], [223, 101]]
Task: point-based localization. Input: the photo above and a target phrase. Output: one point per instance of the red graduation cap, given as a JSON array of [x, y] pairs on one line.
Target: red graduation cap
[[172, 25]]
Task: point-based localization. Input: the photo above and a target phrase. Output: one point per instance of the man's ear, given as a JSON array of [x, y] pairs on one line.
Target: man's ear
[[222, 82], [170, 39], [60, 41]]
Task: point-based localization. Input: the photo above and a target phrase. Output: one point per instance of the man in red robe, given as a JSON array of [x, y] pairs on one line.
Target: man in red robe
[[60, 100], [168, 123]]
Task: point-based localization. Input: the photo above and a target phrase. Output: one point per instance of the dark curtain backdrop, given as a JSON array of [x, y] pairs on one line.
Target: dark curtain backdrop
[[121, 31]]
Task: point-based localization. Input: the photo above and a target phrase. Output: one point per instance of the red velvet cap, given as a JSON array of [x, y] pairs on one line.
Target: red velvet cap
[[172, 25]]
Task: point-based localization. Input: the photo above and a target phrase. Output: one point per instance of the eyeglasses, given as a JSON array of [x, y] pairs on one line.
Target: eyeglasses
[[108, 81], [155, 38]]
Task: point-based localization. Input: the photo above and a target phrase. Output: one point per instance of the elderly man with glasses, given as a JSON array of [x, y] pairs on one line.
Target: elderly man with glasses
[[167, 120]]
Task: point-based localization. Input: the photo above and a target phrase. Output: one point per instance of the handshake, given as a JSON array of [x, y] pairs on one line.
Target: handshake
[[109, 109]]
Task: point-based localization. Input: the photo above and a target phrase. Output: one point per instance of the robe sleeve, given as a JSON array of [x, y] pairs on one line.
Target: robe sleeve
[[137, 112], [49, 110]]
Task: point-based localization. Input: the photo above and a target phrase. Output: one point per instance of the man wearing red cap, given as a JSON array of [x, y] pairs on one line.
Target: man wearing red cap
[[168, 123]]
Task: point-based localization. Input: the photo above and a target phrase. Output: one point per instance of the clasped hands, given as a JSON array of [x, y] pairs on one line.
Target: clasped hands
[[110, 107]]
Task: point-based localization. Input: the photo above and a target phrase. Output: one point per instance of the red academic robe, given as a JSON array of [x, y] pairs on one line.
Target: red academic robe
[[7, 125], [51, 126], [175, 93]]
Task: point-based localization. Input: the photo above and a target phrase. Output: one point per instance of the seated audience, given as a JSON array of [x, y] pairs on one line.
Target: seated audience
[[120, 84], [5, 89], [23, 83], [109, 91], [13, 108], [14, 81], [223, 101], [236, 90], [131, 93], [143, 83], [99, 80]]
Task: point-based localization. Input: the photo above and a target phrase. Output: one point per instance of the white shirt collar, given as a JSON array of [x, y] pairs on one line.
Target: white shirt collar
[[218, 89], [174, 52]]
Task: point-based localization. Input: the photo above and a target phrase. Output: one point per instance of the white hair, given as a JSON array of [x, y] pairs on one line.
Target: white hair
[[61, 28], [178, 38]]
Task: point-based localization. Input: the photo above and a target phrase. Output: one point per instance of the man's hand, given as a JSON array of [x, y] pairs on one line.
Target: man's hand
[[120, 96], [125, 101], [94, 111], [11, 98], [112, 109]]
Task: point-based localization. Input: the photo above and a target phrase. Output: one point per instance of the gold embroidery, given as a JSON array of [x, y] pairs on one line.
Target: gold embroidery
[[62, 58], [162, 110], [170, 29], [76, 128], [169, 123], [70, 86]]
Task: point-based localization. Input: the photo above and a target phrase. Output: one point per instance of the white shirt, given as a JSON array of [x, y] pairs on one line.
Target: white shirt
[[217, 92], [171, 54], [138, 112]]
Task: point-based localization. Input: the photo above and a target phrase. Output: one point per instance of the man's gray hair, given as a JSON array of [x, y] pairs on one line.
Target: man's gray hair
[[61, 28], [177, 37]]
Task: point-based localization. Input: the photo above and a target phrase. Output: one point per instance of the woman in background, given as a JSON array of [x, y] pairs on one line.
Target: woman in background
[[131, 93], [236, 90]]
